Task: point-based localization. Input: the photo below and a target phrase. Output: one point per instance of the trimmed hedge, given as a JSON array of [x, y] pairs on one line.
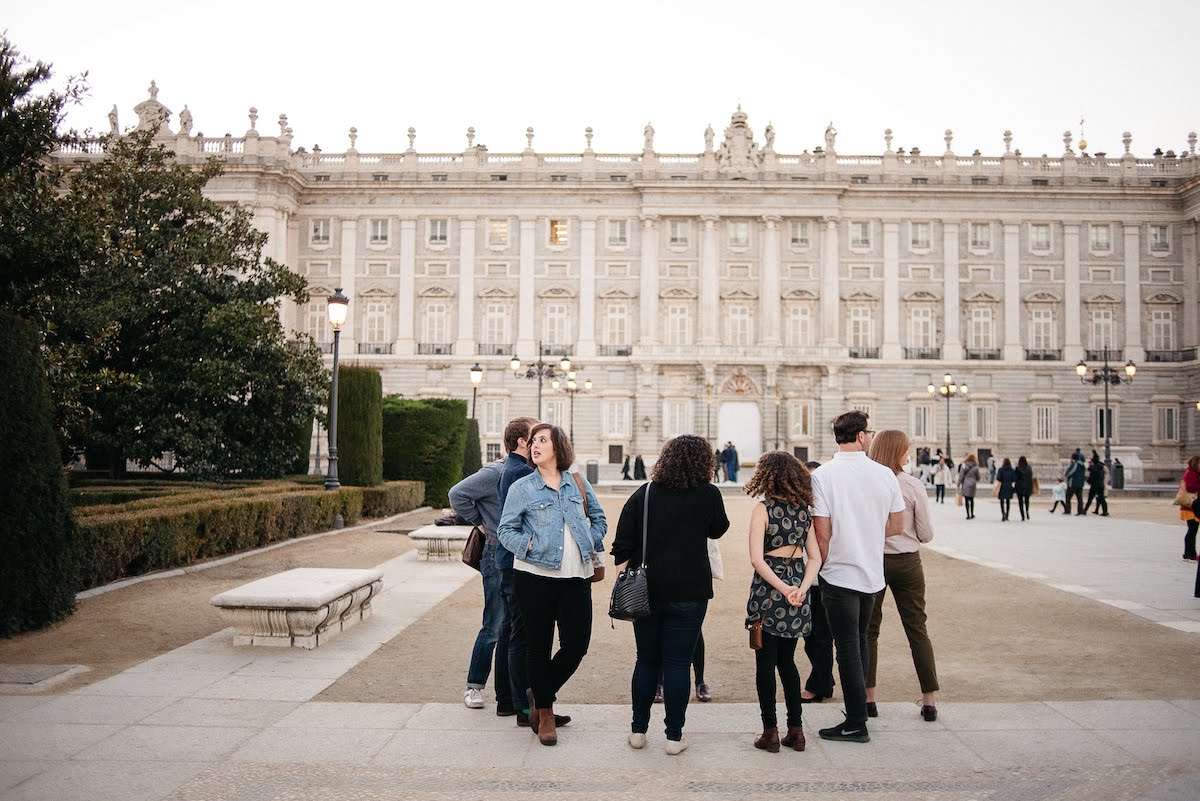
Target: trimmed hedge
[[423, 440], [360, 426], [472, 455], [37, 535], [392, 498]]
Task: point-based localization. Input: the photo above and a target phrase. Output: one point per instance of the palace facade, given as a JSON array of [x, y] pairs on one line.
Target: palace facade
[[751, 296]]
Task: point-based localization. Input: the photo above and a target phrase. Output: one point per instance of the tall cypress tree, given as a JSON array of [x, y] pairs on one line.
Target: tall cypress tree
[[360, 426]]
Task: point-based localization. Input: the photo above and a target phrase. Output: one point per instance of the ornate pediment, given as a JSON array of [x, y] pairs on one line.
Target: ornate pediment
[[377, 292], [617, 293], [738, 154], [739, 294], [738, 383], [1164, 296], [555, 292], [982, 296], [1103, 297], [1042, 296], [497, 293], [436, 291], [800, 294], [862, 296], [678, 293], [921, 296]]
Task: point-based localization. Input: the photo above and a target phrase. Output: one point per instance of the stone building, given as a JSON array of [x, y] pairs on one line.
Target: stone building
[[751, 296]]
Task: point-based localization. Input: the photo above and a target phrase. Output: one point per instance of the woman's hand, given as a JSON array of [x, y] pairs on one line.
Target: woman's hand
[[796, 597]]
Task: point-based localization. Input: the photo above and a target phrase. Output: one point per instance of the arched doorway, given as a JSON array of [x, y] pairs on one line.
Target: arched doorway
[[739, 418]]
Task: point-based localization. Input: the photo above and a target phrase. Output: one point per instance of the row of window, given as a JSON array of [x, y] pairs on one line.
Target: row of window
[[862, 237]]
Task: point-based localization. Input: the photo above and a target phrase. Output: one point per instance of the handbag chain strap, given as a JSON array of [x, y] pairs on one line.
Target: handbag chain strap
[[645, 522]]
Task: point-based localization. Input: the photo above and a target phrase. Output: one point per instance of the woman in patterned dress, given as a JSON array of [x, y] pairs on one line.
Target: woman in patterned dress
[[779, 543]]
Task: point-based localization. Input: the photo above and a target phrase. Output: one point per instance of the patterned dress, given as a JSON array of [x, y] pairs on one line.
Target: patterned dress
[[787, 525]]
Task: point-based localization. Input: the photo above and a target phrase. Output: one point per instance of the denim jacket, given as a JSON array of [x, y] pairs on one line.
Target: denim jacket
[[531, 525]]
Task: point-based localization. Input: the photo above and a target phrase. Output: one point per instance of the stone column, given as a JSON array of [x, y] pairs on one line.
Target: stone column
[[770, 304], [1012, 351], [952, 347], [465, 343], [1191, 289], [1072, 341], [526, 344], [710, 285], [406, 342], [291, 225], [1133, 294], [830, 289], [347, 267], [586, 346], [648, 283], [891, 291]]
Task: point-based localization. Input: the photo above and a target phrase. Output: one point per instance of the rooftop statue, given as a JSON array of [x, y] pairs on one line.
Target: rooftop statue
[[739, 155]]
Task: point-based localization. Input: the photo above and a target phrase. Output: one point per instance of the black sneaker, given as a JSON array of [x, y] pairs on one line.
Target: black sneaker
[[872, 710], [843, 732], [505, 709]]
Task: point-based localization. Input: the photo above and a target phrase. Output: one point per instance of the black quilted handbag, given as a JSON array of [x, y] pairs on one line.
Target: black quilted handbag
[[631, 592]]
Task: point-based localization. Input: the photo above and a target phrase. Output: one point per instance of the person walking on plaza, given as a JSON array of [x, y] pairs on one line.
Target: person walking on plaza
[[1095, 482], [991, 468], [1023, 486], [677, 513], [785, 561], [1006, 477], [903, 574], [555, 528], [941, 477], [856, 504], [1190, 485], [477, 500], [639, 468], [1076, 476], [968, 479], [818, 644], [1059, 494], [625, 470]]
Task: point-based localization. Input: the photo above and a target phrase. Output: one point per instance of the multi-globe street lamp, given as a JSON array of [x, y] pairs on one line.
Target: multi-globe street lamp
[[1106, 375], [337, 306], [572, 389], [476, 380], [540, 370], [946, 391]]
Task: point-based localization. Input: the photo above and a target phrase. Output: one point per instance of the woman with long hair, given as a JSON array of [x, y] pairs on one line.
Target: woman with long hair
[[903, 574], [1024, 486], [1190, 483], [968, 478], [779, 545], [684, 512], [555, 529], [1007, 478]]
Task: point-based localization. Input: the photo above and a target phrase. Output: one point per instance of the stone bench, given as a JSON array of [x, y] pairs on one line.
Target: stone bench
[[304, 607], [440, 542]]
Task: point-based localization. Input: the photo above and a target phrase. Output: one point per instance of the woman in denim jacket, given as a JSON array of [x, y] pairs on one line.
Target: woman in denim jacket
[[557, 547]]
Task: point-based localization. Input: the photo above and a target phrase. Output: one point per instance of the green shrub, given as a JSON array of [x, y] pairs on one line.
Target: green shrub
[[472, 455], [360, 426], [37, 535], [192, 497], [423, 440], [392, 498]]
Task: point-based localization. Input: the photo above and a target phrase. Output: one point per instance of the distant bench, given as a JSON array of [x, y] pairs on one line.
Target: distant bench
[[440, 542], [304, 607]]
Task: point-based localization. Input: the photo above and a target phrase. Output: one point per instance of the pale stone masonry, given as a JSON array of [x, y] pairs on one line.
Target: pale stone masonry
[[749, 295]]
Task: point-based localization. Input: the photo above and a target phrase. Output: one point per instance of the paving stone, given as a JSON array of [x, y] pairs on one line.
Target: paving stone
[[323, 715], [314, 747], [106, 709], [40, 741], [124, 780], [169, 743], [221, 712]]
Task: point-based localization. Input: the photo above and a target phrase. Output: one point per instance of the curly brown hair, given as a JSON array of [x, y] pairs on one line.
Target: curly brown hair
[[780, 475], [686, 461]]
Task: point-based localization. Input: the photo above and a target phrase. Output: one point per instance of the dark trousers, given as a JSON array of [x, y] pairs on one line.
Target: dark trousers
[[939, 493], [1077, 494], [1023, 506], [818, 647], [969, 505], [849, 613], [1005, 508], [697, 661], [666, 645], [1097, 494], [906, 579], [512, 641], [1189, 539], [778, 655], [548, 603], [488, 638]]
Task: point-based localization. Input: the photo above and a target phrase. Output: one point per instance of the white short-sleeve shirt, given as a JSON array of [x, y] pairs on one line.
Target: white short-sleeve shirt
[[857, 494]]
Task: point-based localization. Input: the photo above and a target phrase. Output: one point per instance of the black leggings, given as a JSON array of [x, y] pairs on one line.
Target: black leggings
[[940, 493], [778, 654], [1005, 508], [1189, 539], [969, 505], [1023, 505]]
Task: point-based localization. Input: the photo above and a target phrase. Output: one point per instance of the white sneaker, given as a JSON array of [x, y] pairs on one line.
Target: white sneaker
[[675, 747], [637, 739], [472, 698]]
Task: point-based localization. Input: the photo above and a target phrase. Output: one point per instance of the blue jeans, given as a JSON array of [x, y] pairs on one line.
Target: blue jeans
[[512, 643], [489, 631], [849, 613], [666, 641]]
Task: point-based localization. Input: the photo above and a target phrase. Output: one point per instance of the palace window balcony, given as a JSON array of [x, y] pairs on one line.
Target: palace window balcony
[[1114, 355], [983, 354], [492, 349], [864, 353], [435, 348], [376, 348], [1043, 355], [1184, 355], [922, 353], [556, 350], [326, 347], [615, 350]]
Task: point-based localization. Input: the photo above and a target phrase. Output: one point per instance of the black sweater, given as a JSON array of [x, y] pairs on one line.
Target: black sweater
[[681, 520]]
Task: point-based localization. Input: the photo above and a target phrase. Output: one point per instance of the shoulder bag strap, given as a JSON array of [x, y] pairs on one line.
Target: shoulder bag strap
[[645, 521], [582, 494]]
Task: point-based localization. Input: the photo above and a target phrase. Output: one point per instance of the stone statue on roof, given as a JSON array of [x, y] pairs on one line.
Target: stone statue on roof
[[738, 155]]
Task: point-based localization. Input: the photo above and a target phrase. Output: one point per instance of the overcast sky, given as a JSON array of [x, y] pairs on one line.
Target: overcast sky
[[915, 67]]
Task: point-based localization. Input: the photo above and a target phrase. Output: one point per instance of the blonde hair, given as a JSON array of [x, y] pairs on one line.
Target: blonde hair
[[890, 449]]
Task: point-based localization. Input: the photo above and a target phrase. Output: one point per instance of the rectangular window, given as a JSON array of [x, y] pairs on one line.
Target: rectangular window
[[920, 327], [379, 232], [677, 418], [860, 235], [555, 325], [1039, 236], [494, 417], [1041, 329], [1101, 237], [1160, 241], [555, 412], [375, 321], [920, 235], [739, 234], [737, 326], [921, 424], [439, 177], [318, 321], [1166, 423], [1045, 422], [439, 232], [618, 233], [320, 232], [799, 234], [981, 236], [679, 233], [1103, 330], [495, 451], [861, 333], [1106, 427], [983, 423], [558, 232], [498, 232], [798, 333], [558, 179], [437, 326], [679, 325], [1162, 329], [496, 324], [617, 419], [616, 324], [800, 418], [981, 329]]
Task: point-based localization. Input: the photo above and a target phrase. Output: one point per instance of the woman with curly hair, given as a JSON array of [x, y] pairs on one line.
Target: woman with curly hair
[[682, 511], [778, 602]]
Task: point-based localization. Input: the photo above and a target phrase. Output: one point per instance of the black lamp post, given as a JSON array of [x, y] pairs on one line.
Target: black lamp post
[[572, 389], [946, 391], [476, 380], [337, 306], [540, 370], [1107, 375]]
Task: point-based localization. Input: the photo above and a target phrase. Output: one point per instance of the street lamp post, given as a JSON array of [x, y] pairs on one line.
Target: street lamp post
[[1107, 375], [540, 370], [572, 389], [946, 391], [778, 401], [476, 380], [337, 306]]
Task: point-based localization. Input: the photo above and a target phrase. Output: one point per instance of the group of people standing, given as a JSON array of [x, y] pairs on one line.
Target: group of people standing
[[825, 546]]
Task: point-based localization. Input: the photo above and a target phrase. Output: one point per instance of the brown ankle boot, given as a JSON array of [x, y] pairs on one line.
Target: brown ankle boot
[[547, 731], [768, 740], [794, 738]]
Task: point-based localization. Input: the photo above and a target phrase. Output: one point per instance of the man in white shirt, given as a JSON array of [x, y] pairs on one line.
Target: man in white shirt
[[856, 504]]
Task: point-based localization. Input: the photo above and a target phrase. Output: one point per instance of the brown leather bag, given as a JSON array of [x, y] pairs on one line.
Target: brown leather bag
[[597, 564], [472, 554], [755, 629]]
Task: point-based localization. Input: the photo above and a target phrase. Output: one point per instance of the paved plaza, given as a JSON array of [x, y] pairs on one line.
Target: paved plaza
[[217, 722]]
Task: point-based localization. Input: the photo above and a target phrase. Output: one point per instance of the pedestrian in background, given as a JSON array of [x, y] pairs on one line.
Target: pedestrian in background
[[1024, 486], [1190, 485], [941, 477], [968, 479], [1006, 479], [1095, 482], [1076, 476]]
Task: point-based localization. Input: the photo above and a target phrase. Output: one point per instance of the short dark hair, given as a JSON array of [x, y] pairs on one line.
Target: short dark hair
[[848, 426], [564, 454], [517, 429], [685, 462]]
